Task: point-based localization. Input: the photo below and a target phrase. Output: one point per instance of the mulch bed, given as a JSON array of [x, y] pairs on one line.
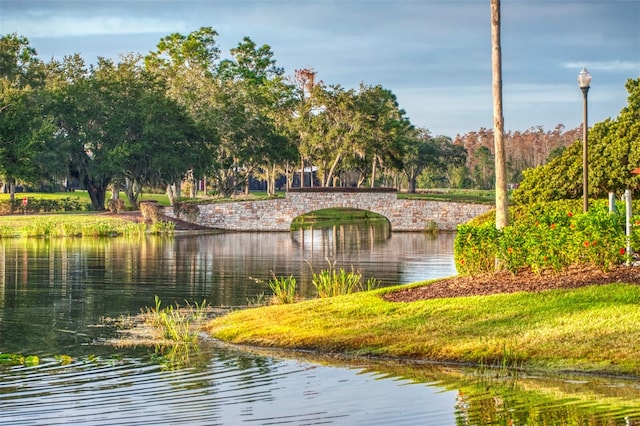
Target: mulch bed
[[526, 280]]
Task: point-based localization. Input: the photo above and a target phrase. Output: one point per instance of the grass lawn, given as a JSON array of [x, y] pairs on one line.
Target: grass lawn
[[93, 224], [459, 195], [591, 329], [83, 196]]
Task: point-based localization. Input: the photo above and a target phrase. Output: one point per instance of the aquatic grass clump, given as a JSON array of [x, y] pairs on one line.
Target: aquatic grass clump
[[335, 282], [179, 325], [6, 232], [258, 300], [283, 288], [134, 229], [99, 229], [75, 225], [37, 228], [66, 229], [162, 228]]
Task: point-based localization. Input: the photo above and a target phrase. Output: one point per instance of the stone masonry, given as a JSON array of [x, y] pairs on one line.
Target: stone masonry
[[277, 214]]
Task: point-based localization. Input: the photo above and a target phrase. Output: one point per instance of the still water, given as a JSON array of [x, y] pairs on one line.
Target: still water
[[55, 297]]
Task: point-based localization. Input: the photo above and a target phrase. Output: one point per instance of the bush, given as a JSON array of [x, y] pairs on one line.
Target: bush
[[475, 248], [37, 205], [151, 210], [545, 236], [115, 206]]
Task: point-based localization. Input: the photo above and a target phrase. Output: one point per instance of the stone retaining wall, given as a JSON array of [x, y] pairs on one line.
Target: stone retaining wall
[[277, 214]]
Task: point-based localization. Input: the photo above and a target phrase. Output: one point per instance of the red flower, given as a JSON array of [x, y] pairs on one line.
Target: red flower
[[510, 250], [570, 214], [553, 226], [586, 243], [623, 251], [594, 243]]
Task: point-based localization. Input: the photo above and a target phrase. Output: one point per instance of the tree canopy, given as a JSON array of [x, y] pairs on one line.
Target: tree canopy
[[614, 150]]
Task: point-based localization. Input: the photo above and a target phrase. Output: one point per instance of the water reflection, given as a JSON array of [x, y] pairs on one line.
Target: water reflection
[[217, 267]]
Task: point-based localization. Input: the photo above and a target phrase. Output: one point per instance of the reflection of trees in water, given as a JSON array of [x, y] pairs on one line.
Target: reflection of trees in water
[[504, 397], [214, 266]]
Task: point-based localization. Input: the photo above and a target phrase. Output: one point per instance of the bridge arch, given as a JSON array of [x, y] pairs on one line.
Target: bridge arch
[[349, 212]]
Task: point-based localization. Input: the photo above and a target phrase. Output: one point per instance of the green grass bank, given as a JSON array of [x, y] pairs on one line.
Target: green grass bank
[[592, 329]]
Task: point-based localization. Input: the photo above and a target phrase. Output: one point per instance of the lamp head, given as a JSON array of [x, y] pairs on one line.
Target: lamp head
[[584, 79]]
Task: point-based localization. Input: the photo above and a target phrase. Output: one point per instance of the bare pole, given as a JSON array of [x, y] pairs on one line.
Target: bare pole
[[502, 204]]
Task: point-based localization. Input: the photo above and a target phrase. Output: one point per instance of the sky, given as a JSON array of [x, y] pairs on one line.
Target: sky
[[434, 55]]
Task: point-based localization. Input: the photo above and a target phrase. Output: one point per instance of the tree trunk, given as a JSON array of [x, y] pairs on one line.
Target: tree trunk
[[412, 185], [115, 191], [331, 172], [173, 192], [373, 171], [132, 191], [194, 188], [502, 206], [97, 192], [12, 191]]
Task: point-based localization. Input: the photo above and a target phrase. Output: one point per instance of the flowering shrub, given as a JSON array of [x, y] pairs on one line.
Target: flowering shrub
[[475, 248], [546, 236], [598, 237]]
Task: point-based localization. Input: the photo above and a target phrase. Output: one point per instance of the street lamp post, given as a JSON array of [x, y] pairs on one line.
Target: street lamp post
[[584, 81]]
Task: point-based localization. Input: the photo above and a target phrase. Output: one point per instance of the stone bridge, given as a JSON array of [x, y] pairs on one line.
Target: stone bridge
[[277, 214]]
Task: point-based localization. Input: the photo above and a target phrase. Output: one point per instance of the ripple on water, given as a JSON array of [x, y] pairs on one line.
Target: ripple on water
[[226, 391]]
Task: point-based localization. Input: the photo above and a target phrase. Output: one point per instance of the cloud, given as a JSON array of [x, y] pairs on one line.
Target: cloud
[[615, 66], [60, 26]]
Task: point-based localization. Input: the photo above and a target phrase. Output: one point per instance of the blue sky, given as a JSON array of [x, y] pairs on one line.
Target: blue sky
[[434, 55]]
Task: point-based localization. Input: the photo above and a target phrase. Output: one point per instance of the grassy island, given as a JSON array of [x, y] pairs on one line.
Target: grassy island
[[591, 329]]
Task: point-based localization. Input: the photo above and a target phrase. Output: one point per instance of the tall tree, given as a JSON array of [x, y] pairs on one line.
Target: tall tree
[[502, 206], [75, 107], [24, 126], [188, 63], [251, 98], [305, 82], [384, 126], [154, 141]]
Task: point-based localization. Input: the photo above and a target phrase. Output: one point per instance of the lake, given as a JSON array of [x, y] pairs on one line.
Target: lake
[[57, 296]]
